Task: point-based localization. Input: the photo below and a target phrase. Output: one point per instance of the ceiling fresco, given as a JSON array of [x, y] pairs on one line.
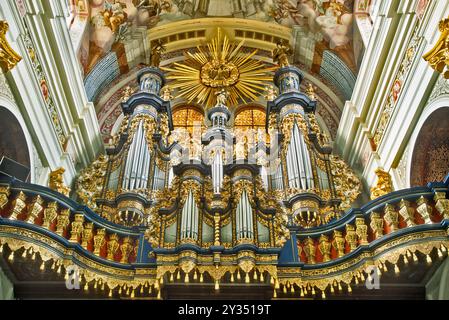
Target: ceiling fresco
[[119, 35]]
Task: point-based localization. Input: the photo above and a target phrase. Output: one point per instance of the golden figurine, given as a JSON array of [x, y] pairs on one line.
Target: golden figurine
[[310, 91], [56, 181], [383, 186], [156, 51], [8, 57], [281, 53], [166, 93], [438, 57], [222, 97]]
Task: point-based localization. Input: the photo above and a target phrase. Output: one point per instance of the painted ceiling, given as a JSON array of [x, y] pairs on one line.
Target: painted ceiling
[[114, 40]]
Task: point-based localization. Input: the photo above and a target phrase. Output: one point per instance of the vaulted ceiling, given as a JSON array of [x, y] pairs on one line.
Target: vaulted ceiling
[[115, 38]]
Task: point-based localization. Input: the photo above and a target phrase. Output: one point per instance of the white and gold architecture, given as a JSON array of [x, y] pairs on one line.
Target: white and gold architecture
[[271, 149]]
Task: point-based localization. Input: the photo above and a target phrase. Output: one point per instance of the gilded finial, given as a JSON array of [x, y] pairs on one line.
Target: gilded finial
[[8, 57]]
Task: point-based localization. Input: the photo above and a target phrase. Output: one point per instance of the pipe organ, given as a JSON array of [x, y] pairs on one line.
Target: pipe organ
[[218, 193]]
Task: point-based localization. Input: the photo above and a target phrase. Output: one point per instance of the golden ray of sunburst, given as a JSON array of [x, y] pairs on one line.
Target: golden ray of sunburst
[[219, 64]]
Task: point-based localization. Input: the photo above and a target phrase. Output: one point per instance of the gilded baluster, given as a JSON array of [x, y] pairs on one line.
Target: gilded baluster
[[113, 246], [339, 243], [217, 230], [50, 214], [87, 234], [361, 230], [126, 249], [424, 209], [407, 213], [377, 224], [99, 241], [35, 208], [17, 205], [325, 247], [4, 194], [351, 237], [391, 217], [77, 227], [309, 249], [62, 221], [442, 204]]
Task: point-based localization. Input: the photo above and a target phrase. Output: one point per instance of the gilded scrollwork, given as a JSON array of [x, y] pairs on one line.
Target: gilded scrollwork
[[347, 184]]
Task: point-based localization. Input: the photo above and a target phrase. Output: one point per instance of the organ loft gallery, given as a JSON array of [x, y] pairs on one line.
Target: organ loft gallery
[[241, 149]]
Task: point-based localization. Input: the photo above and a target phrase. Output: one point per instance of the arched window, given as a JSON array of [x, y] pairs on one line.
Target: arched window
[[188, 125], [430, 157], [250, 122], [188, 117]]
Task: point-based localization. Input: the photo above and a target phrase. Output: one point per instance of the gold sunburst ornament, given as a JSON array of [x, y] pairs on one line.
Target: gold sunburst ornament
[[219, 65]]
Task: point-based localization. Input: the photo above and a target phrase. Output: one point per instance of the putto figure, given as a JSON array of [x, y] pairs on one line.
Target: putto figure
[[281, 53]]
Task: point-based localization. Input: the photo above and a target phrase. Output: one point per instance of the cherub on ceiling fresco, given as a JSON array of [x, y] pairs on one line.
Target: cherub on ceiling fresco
[[333, 18], [111, 20]]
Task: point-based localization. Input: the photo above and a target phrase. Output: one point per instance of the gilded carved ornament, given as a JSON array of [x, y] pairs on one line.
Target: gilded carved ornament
[[4, 194], [438, 56], [347, 184], [91, 180], [8, 57], [56, 181], [281, 52], [383, 186]]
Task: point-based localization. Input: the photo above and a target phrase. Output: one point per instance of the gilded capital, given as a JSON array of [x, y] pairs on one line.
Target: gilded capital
[[8, 57], [438, 57]]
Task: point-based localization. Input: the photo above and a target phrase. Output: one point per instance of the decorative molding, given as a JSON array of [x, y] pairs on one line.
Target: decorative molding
[[42, 80], [5, 90], [441, 88]]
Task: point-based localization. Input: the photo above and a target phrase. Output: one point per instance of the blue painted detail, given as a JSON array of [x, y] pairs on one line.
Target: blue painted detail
[[289, 253], [144, 250], [337, 72], [103, 73]]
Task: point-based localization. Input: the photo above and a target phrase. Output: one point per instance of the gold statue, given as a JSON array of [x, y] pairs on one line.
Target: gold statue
[[438, 57], [156, 52], [310, 91], [166, 93], [222, 96], [281, 53], [383, 186], [56, 181], [8, 57]]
